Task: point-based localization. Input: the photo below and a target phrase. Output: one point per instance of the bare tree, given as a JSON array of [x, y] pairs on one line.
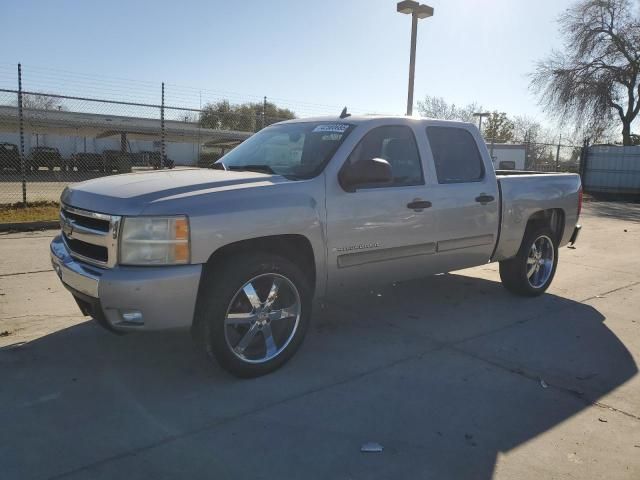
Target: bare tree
[[41, 102], [437, 107], [597, 75], [188, 117], [527, 129]]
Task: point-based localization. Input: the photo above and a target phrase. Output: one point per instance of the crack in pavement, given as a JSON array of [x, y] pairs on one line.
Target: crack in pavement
[[14, 274], [593, 267], [536, 378], [5, 237], [46, 315]]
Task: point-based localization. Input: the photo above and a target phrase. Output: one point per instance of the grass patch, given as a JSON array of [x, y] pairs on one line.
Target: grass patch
[[31, 212]]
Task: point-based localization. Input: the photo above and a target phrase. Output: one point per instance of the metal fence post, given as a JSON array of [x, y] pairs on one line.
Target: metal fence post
[[162, 134], [584, 153], [264, 111], [23, 163], [558, 153]]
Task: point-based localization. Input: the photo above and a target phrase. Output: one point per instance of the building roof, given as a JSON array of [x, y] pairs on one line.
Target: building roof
[[102, 126]]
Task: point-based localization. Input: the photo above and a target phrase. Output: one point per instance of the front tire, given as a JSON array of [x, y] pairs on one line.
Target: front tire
[[253, 312], [531, 271]]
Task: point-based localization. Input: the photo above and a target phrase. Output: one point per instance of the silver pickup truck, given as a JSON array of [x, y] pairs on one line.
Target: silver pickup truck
[[302, 210]]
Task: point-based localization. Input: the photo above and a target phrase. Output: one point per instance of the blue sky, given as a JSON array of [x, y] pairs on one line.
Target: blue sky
[[310, 56]]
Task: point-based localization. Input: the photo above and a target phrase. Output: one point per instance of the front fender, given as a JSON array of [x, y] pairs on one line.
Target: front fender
[[296, 208]]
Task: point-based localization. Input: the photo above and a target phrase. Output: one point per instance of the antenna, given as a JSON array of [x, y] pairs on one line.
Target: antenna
[[344, 113]]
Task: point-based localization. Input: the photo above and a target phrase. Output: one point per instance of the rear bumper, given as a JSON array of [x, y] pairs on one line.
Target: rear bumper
[[130, 298], [574, 235]]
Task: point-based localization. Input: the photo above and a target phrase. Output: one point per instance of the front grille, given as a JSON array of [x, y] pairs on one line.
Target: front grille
[[90, 236], [87, 250], [94, 223]]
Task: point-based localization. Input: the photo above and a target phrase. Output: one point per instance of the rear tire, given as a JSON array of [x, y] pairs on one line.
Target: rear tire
[[531, 271], [250, 337]]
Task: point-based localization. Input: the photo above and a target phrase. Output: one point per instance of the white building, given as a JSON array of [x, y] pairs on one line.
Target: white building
[[508, 156], [76, 132]]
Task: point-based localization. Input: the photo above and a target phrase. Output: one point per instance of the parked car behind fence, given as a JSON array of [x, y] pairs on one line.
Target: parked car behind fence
[[121, 162], [47, 157], [88, 162], [153, 159], [9, 157]]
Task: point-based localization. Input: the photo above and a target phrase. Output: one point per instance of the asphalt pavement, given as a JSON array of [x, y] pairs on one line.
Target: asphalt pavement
[[452, 375]]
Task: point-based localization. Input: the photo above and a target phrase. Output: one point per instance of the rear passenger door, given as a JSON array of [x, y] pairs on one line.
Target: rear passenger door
[[465, 197]]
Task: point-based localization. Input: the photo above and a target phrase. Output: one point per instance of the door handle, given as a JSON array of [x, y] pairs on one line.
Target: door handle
[[419, 204], [484, 199]]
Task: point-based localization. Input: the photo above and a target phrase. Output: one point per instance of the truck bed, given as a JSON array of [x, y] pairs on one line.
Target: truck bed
[[522, 194]]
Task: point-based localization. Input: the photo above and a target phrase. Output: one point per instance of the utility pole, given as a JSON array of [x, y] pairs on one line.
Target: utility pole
[[412, 63], [417, 11]]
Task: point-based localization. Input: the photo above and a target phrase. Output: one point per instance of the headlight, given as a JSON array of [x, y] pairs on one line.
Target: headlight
[[154, 241]]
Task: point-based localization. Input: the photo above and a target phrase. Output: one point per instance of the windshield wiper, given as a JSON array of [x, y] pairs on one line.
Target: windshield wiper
[[253, 168]]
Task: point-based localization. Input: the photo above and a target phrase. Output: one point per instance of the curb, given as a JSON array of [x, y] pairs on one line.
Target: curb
[[29, 226]]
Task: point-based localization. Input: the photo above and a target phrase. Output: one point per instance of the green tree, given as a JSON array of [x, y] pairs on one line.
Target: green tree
[[246, 117], [498, 128]]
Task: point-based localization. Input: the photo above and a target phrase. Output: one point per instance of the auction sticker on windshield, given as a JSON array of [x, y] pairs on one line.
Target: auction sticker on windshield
[[331, 128]]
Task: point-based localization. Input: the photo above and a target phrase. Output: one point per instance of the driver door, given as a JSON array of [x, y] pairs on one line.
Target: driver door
[[381, 234]]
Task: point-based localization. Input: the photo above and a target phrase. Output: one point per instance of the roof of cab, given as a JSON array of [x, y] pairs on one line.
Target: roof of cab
[[362, 119]]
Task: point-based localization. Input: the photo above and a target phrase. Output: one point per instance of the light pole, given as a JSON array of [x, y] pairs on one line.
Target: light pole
[[417, 11], [480, 115]]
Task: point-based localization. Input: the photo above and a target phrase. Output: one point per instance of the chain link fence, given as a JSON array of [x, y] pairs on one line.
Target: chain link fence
[[49, 140], [534, 156]]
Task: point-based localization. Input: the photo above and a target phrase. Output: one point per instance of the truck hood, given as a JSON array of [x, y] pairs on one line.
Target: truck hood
[[130, 194]]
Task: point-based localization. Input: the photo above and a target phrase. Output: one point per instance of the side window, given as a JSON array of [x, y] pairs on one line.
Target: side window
[[455, 154], [397, 145]]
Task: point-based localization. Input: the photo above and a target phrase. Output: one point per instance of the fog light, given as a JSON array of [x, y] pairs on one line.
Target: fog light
[[132, 316]]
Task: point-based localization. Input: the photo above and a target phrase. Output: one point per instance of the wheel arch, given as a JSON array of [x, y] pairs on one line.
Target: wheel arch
[[294, 247], [554, 218]]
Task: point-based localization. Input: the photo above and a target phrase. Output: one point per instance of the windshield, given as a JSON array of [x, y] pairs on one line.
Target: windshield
[[297, 150]]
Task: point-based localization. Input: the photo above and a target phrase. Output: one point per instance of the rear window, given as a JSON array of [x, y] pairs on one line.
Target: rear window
[[455, 154]]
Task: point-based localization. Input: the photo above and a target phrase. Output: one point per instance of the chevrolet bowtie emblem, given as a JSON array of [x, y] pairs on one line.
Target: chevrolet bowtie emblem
[[67, 229]]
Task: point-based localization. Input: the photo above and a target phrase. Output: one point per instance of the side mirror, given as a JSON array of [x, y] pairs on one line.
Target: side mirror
[[376, 171]]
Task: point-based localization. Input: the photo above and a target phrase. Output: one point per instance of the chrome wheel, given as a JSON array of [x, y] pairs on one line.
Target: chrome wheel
[[262, 318], [540, 261]]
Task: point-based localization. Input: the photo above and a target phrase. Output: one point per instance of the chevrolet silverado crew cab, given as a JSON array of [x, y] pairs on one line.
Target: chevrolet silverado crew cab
[[304, 209]]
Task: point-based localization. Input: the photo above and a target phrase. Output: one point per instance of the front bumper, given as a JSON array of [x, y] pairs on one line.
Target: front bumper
[[130, 298]]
